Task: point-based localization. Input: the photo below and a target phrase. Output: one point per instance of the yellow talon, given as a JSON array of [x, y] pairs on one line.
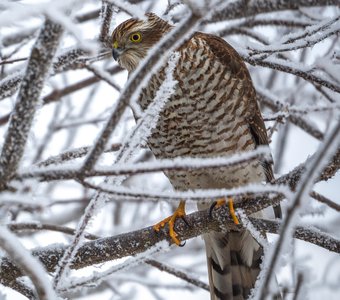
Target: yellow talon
[[179, 213], [220, 202], [232, 211]]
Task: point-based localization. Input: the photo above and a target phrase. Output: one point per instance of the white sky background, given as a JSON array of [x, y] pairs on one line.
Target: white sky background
[[322, 266]]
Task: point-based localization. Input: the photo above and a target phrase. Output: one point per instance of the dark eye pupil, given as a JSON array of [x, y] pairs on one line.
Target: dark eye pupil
[[135, 37]]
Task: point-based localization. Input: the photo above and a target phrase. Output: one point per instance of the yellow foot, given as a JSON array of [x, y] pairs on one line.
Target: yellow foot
[[221, 202], [179, 213], [232, 211]]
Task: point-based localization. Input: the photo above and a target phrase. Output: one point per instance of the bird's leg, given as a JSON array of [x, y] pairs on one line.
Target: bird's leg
[[221, 202], [179, 213]]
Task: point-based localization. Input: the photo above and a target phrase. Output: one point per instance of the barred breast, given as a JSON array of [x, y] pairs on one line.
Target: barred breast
[[205, 117]]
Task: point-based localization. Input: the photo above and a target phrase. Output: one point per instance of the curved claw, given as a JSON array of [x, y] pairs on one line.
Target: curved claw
[[182, 244], [179, 213]]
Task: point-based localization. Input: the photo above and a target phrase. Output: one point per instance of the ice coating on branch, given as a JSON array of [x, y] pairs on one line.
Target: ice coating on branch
[[97, 277], [31, 265]]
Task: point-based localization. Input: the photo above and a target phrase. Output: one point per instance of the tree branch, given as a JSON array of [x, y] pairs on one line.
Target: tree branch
[[241, 8], [28, 98], [132, 243], [30, 266], [308, 178]]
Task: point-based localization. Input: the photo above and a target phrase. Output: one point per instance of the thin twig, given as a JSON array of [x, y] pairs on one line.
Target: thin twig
[[73, 154], [19, 227], [288, 68], [325, 200], [179, 274]]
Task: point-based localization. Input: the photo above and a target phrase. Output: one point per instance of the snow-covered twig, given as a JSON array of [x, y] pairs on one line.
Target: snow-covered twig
[[106, 16], [28, 98], [98, 277], [73, 154], [240, 9], [274, 104], [289, 67], [103, 75], [307, 234], [30, 265], [325, 200], [125, 168], [34, 227], [178, 273], [130, 9], [311, 36], [327, 148]]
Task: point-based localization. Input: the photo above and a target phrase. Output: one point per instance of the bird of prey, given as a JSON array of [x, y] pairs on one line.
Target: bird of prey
[[212, 112]]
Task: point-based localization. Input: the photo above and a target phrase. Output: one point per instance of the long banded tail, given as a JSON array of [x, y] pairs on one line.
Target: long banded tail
[[234, 260]]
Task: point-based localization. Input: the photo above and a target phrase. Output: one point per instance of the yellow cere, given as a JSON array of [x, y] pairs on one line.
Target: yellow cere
[[115, 45], [135, 37]]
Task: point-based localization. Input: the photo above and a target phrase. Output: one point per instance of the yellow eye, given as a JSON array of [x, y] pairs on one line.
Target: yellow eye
[[135, 37], [115, 45]]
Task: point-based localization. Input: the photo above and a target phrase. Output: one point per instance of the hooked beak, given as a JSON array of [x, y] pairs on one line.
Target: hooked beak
[[116, 52]]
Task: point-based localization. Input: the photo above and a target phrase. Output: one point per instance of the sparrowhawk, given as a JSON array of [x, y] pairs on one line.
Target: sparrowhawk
[[212, 112]]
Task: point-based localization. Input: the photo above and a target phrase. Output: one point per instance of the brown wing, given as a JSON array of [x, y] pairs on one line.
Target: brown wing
[[232, 60]]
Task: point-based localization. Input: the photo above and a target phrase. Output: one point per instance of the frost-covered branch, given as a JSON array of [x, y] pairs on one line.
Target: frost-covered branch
[[106, 14], [118, 169], [28, 98], [30, 265], [103, 75], [126, 151], [34, 227], [57, 94], [132, 243], [326, 150], [310, 235], [241, 9], [325, 200], [180, 274], [284, 66], [17, 37], [311, 36], [73, 154], [277, 106]]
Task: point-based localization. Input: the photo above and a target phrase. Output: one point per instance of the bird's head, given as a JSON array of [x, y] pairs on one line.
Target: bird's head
[[132, 39]]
